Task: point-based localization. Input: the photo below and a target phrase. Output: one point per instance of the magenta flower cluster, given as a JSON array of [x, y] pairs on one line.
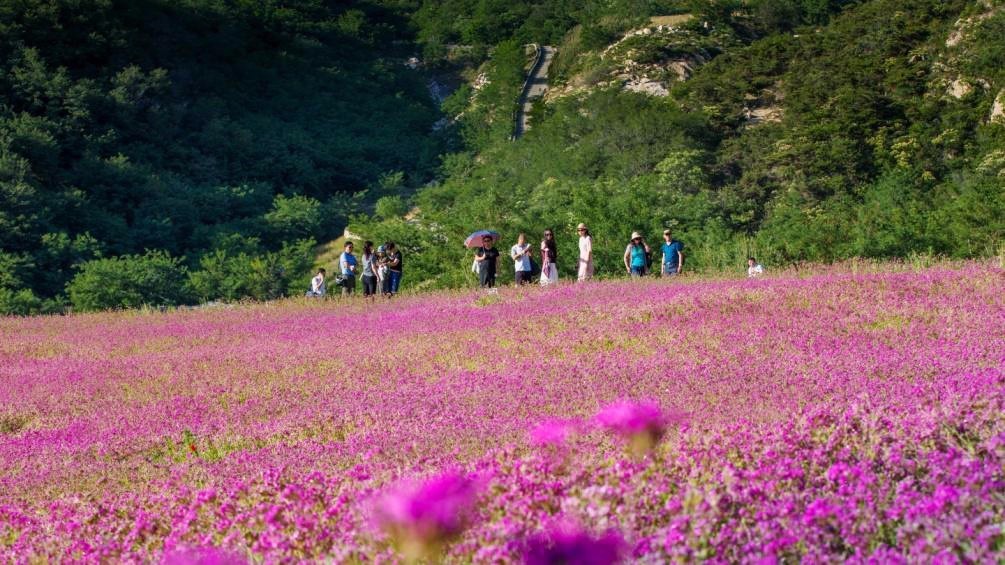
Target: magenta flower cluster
[[849, 414]]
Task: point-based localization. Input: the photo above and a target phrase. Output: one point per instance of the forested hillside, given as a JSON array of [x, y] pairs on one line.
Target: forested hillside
[[157, 152], [792, 130], [224, 137]]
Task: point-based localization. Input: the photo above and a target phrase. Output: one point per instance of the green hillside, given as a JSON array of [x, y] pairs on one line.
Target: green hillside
[[226, 134], [157, 152], [793, 130]]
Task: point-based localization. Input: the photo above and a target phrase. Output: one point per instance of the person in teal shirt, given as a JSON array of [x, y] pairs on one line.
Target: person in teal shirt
[[635, 255]]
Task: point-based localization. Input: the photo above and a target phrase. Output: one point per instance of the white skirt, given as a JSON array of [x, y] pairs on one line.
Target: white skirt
[[549, 274]]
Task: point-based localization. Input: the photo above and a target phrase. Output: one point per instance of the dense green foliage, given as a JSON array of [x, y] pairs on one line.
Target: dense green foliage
[[129, 281], [865, 151], [175, 125], [228, 136]]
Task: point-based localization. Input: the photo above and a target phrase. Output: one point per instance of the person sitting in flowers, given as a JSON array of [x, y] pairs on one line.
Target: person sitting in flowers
[[318, 284]]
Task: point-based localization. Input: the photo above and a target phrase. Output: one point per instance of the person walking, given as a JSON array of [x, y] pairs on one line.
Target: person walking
[[635, 255], [347, 262], [369, 271], [318, 284], [754, 269], [488, 262], [585, 272], [549, 259], [521, 255], [394, 268], [673, 255]]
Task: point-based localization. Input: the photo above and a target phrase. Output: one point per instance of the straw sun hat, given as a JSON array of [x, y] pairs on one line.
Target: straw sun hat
[[636, 235]]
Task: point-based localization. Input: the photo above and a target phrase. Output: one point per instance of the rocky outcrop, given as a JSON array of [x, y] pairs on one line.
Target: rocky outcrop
[[998, 109], [648, 59]]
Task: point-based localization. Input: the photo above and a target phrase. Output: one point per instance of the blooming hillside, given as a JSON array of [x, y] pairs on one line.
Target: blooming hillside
[[836, 416]]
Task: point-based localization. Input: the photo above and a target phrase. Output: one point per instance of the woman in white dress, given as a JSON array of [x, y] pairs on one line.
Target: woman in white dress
[[549, 259], [585, 253]]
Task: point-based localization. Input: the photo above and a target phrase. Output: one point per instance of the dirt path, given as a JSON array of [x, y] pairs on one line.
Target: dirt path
[[534, 87]]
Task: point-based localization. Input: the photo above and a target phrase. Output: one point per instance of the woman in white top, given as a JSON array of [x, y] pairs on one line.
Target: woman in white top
[[585, 253], [318, 284]]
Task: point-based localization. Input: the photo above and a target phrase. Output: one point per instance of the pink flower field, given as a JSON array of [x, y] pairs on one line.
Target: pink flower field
[[854, 414]]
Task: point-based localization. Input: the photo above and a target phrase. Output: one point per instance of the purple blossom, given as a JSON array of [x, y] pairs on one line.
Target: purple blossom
[[202, 556], [643, 424], [567, 544], [552, 433], [426, 515]]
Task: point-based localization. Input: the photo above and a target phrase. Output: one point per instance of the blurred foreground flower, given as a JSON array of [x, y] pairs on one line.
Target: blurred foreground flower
[[569, 544], [202, 556], [642, 424], [423, 518], [552, 433]]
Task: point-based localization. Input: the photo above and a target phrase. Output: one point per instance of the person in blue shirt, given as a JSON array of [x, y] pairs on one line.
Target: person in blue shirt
[[635, 255], [673, 255], [347, 262]]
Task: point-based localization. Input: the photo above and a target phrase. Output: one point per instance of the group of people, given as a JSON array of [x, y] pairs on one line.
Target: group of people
[[379, 270], [638, 258]]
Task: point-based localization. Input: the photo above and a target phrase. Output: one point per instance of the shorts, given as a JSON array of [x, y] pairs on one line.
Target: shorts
[[522, 277], [349, 284], [638, 271]]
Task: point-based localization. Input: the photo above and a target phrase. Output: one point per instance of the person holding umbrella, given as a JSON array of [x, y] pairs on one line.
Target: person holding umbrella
[[486, 256]]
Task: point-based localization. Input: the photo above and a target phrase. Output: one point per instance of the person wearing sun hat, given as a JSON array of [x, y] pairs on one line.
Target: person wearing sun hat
[[585, 253], [635, 255]]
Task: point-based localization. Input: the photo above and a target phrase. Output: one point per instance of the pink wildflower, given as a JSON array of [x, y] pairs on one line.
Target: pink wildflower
[[643, 424], [570, 544], [202, 556], [552, 433], [423, 518]]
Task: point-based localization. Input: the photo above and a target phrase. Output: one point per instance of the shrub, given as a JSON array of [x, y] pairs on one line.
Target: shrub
[[129, 281], [19, 302]]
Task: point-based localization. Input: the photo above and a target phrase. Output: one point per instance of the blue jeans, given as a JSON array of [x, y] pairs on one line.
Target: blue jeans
[[669, 270], [394, 279], [638, 271]]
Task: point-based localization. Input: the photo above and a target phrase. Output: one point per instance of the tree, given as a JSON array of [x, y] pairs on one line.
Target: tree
[[130, 281], [294, 217]]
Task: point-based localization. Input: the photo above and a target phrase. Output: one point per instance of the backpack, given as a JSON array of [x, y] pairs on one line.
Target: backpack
[[649, 261]]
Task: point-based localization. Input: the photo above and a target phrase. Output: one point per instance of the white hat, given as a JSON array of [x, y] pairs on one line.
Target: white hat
[[636, 235], [581, 226]]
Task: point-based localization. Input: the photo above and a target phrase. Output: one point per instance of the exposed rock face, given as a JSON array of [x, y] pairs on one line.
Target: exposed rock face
[[959, 88], [998, 109], [964, 25], [647, 86], [770, 114]]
